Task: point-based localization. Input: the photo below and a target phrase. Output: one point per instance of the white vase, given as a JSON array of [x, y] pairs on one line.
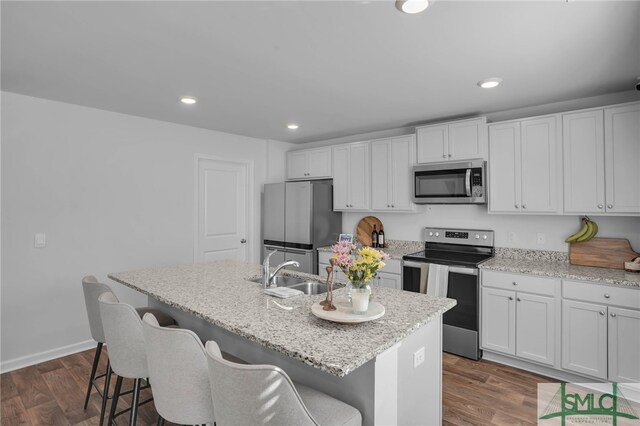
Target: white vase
[[360, 299]]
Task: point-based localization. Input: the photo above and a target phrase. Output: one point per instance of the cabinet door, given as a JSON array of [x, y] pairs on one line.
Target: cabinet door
[[402, 159], [432, 143], [390, 280], [584, 338], [504, 168], [622, 159], [297, 165], [359, 176], [468, 140], [381, 175], [624, 345], [539, 165], [535, 328], [583, 158], [319, 163], [340, 177], [498, 320]]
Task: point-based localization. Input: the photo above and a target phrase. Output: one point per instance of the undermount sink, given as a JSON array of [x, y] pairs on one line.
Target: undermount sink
[[305, 285]]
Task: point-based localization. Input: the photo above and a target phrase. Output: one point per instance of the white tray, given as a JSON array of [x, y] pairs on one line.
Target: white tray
[[344, 314]]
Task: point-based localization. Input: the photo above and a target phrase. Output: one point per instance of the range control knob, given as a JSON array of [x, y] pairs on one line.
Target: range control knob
[[477, 236], [437, 234], [484, 237], [431, 234]]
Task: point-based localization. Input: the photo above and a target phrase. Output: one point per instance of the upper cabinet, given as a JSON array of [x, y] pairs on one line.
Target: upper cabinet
[[459, 140], [524, 166], [351, 176], [391, 183], [601, 157], [307, 164]]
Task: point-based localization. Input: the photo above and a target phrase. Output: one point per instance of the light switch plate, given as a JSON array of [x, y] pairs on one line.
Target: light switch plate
[[40, 240]]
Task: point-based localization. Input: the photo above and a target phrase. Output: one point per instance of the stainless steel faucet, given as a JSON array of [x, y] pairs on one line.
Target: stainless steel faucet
[[267, 276]]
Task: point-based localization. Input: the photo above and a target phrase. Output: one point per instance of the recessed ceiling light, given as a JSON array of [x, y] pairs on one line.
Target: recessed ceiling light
[[489, 83], [292, 126], [412, 6], [189, 100]]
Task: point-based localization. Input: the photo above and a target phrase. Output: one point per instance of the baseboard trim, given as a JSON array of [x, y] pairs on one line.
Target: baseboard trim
[[29, 360]]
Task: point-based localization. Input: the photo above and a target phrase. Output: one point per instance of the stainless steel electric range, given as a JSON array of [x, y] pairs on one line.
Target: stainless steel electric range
[[462, 250]]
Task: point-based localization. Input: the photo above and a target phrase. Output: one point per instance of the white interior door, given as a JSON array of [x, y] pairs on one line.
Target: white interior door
[[222, 189]]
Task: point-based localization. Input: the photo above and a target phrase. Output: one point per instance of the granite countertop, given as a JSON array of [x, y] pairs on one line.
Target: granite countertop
[[564, 270], [221, 293], [396, 249]]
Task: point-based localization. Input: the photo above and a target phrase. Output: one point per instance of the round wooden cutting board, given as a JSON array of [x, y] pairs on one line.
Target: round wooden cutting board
[[365, 228]]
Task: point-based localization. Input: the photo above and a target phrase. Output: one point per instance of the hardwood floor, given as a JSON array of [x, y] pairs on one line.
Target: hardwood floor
[[474, 393]]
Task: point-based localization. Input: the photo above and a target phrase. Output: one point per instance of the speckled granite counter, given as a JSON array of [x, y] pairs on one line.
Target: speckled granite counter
[[563, 270], [221, 294], [396, 249]]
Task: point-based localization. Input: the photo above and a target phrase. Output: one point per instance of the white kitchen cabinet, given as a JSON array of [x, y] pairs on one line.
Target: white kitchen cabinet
[[584, 338], [601, 157], [524, 166], [519, 316], [601, 331], [312, 163], [391, 182], [351, 176], [498, 320], [390, 280], [459, 140]]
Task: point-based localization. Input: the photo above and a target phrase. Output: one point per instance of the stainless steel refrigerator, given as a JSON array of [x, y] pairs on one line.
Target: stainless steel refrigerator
[[298, 218]]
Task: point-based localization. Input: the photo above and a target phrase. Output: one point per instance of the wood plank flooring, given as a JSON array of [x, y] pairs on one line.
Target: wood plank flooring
[[52, 393]]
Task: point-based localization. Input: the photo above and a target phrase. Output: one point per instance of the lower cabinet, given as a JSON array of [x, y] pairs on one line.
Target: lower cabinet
[[600, 339], [519, 322]]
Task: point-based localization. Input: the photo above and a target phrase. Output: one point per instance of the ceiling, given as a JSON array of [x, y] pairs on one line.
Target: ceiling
[[337, 68]]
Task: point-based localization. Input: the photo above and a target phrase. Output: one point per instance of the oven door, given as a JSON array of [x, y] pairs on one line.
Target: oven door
[[460, 323]]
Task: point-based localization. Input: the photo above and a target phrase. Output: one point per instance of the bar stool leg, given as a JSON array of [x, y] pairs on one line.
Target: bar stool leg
[[105, 393], [96, 358], [160, 421], [134, 402], [114, 402]]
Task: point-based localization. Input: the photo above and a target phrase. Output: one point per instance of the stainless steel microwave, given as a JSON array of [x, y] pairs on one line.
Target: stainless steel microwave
[[450, 183]]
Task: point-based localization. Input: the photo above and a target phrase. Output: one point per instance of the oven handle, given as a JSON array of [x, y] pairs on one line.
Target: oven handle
[[454, 269], [467, 183]]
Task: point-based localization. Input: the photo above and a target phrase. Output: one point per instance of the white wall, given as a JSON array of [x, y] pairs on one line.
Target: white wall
[[112, 192], [409, 226]]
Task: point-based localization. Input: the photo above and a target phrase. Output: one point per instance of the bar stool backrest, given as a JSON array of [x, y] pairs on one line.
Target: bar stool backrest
[[92, 289]]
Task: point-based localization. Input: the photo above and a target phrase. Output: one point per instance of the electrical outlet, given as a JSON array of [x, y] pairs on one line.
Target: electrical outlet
[[418, 357], [541, 238], [511, 237], [40, 240]]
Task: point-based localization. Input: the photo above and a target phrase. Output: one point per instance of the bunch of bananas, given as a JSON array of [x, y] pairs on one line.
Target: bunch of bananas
[[588, 230]]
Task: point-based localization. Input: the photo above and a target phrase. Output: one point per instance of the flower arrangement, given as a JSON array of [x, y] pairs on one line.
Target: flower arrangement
[[360, 268]]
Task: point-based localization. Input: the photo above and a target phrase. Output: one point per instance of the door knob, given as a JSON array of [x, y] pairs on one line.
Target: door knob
[[243, 241]]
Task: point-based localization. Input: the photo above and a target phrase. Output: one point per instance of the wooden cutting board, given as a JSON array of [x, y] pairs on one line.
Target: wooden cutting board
[[365, 228], [602, 253]]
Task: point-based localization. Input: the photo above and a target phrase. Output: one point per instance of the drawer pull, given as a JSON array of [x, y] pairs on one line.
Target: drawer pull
[[602, 313], [606, 296], [613, 314]]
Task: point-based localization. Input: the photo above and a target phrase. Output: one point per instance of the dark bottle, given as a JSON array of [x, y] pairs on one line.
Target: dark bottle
[[381, 238], [374, 237]]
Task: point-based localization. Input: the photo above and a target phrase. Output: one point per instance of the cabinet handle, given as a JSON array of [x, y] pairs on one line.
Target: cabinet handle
[[524, 206], [606, 295], [388, 205], [517, 206], [602, 313], [600, 206], [613, 314], [609, 206], [510, 297], [449, 155], [444, 155], [393, 206], [519, 300], [515, 283]]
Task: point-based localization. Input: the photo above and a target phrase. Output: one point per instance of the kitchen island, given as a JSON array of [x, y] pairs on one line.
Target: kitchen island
[[389, 368]]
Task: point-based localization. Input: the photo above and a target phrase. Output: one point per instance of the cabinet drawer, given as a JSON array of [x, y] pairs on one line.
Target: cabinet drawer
[[520, 282], [598, 293], [392, 266], [324, 256]]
